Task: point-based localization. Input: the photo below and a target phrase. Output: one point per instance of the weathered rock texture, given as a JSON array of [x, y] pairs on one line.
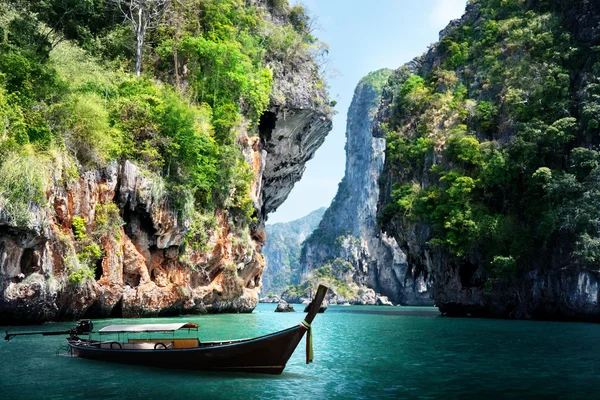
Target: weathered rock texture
[[144, 270], [555, 286], [348, 230]]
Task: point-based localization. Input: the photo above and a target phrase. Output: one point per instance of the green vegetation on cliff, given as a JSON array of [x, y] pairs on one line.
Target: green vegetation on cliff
[[495, 144], [69, 99]]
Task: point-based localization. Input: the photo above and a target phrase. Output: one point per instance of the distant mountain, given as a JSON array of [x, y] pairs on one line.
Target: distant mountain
[[282, 251]]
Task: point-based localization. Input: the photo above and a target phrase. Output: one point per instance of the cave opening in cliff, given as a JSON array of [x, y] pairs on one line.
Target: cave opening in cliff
[[27, 262], [132, 280], [266, 125], [98, 270], [466, 272], [137, 220]]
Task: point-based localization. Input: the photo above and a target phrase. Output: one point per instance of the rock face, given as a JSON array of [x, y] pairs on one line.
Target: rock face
[[284, 133], [296, 124], [282, 251], [348, 231], [554, 283], [143, 270], [384, 301], [145, 267]]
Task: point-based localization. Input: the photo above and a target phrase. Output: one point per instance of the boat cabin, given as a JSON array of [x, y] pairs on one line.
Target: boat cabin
[[145, 337]]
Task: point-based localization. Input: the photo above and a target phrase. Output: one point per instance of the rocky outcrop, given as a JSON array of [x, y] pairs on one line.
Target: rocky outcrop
[[144, 270], [384, 301], [288, 132], [362, 296], [283, 306], [552, 282], [297, 121], [348, 231], [269, 299]]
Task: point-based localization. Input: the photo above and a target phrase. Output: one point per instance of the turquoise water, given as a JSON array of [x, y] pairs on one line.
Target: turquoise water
[[360, 352]]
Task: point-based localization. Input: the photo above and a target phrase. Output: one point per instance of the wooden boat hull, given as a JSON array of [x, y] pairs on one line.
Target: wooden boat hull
[[265, 354]]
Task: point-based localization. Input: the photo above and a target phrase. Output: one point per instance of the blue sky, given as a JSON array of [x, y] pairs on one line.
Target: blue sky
[[363, 36]]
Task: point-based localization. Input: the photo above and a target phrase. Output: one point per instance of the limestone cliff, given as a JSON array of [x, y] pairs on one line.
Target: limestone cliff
[[491, 161], [348, 236], [105, 241]]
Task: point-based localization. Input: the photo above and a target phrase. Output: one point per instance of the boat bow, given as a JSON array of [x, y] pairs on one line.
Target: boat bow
[[313, 309]]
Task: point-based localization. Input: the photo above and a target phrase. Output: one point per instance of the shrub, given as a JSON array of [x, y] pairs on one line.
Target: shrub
[[89, 254], [107, 221], [82, 73], [588, 248], [486, 114], [13, 128], [404, 197], [503, 267], [200, 227], [80, 274], [464, 149], [23, 182], [79, 230], [90, 135]]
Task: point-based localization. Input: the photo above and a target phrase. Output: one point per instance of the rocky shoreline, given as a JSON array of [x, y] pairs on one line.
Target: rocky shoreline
[[366, 297]]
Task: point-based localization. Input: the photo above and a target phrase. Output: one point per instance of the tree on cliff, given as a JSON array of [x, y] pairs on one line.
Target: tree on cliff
[[142, 15]]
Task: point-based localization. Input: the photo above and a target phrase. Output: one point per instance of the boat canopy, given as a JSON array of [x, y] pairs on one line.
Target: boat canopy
[[148, 327]]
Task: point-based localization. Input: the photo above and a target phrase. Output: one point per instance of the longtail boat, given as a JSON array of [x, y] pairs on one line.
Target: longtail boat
[[264, 354]]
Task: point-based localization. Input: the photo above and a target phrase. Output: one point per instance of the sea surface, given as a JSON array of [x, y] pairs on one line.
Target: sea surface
[[361, 352]]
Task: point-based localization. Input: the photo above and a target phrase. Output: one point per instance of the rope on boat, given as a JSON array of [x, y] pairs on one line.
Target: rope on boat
[[309, 344]]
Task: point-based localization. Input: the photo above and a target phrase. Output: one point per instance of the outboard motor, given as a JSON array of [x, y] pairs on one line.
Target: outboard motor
[[84, 327]]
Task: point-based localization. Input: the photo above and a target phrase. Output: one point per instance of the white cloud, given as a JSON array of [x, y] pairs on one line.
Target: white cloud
[[446, 10]]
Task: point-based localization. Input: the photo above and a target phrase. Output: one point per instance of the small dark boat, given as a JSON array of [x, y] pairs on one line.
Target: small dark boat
[[264, 354]]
